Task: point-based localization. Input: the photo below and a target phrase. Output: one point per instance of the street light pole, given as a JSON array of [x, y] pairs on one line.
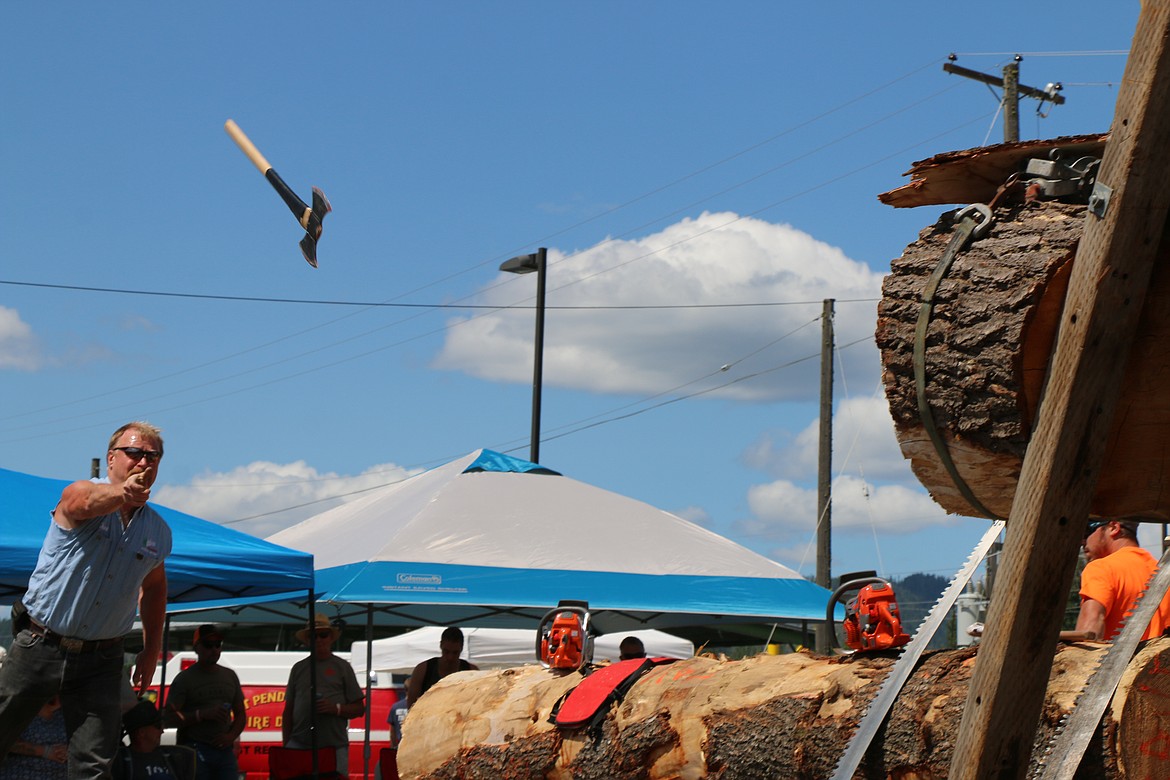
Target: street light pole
[[526, 264]]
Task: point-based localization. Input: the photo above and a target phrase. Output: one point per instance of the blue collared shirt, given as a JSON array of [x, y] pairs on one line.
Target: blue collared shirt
[[87, 579]]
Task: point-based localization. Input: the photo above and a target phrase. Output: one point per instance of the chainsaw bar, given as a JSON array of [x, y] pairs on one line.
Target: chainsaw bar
[[876, 713], [1070, 743]]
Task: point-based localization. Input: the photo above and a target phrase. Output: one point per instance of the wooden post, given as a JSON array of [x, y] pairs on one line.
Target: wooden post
[[825, 470], [1011, 101], [1047, 521]]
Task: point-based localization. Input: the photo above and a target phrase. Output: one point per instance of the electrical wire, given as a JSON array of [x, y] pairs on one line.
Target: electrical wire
[[1089, 53], [390, 304], [576, 426], [739, 218], [394, 301], [594, 423]]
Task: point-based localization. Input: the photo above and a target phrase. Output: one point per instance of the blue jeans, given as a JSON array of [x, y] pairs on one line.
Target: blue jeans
[[213, 763], [90, 686]]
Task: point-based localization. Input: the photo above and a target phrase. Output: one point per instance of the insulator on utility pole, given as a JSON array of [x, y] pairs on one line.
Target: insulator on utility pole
[[1013, 90]]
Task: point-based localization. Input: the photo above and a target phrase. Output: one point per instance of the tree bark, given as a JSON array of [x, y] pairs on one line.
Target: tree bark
[[988, 346], [787, 716]]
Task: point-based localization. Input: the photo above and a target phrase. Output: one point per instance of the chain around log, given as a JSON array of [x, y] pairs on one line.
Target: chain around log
[[973, 223]]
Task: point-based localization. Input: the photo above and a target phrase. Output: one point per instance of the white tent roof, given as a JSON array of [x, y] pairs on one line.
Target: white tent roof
[[495, 541], [522, 520]]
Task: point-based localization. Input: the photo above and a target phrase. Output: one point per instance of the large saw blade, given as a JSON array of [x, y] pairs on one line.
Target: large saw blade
[[900, 673], [1069, 745]]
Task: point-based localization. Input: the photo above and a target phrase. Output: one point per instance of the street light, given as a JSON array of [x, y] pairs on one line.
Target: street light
[[526, 264]]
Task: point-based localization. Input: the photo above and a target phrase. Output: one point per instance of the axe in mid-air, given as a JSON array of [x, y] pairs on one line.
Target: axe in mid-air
[[309, 218]]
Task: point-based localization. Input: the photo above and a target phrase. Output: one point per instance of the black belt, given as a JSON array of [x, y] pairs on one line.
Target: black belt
[[68, 643]]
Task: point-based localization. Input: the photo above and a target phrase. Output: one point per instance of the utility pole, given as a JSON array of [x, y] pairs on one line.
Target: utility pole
[[1011, 101], [95, 468], [825, 468], [1013, 90]]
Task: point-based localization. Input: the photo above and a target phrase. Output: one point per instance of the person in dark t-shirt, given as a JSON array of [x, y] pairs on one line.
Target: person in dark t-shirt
[[432, 670]]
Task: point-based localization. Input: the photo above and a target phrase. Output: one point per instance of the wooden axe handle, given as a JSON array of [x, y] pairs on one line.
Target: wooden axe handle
[[247, 146], [977, 630], [1078, 636]]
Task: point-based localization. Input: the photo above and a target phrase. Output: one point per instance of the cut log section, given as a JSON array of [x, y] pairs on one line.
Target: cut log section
[[991, 332], [787, 716]]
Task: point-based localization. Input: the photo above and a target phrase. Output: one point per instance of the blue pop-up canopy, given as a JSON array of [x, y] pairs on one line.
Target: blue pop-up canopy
[[208, 562], [492, 540]]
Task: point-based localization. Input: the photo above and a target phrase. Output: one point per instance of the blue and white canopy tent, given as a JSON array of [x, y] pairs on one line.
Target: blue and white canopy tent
[[490, 540], [209, 564]]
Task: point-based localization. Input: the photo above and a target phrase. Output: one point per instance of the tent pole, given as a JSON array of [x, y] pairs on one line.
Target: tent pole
[[313, 684], [162, 680], [369, 684]]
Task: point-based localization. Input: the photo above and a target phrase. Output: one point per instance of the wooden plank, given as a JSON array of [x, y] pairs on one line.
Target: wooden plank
[[1106, 295]]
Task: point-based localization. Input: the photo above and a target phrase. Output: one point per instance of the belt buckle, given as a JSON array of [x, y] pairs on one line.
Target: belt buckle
[[71, 645]]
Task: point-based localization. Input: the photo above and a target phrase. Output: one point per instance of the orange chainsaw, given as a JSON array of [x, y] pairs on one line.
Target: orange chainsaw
[[872, 621], [562, 638]]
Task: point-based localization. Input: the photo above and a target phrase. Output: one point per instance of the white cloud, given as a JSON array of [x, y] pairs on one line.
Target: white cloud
[[292, 492], [873, 491], [784, 514], [711, 259], [863, 443], [19, 348], [782, 507]]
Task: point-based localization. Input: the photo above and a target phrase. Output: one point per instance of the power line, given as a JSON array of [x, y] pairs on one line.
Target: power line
[[424, 307], [591, 422], [393, 305], [1090, 53]]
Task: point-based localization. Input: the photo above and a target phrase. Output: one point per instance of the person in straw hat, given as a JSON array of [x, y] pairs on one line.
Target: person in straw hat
[[339, 697]]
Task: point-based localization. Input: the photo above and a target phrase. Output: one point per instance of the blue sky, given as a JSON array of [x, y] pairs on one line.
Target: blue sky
[[671, 156]]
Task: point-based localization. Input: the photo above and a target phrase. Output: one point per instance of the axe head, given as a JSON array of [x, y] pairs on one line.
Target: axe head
[[312, 225]]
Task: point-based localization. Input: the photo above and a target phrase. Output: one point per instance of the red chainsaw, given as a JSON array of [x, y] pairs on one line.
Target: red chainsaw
[[872, 621]]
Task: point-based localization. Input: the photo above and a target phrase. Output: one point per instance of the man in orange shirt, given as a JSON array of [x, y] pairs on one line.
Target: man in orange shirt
[[1117, 571]]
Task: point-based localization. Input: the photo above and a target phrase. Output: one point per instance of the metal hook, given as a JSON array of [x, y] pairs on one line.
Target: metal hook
[[976, 209]]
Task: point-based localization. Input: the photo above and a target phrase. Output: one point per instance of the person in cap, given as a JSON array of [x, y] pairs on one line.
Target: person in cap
[[145, 758], [100, 566], [1117, 571], [206, 703], [338, 697]]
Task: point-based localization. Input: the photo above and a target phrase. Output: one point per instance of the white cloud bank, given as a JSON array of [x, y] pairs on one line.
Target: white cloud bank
[[714, 258], [711, 259], [263, 498]]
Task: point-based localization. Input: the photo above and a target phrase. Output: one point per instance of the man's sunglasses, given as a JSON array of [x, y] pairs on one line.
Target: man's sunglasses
[[1093, 526], [212, 643], [324, 634], [137, 453]]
